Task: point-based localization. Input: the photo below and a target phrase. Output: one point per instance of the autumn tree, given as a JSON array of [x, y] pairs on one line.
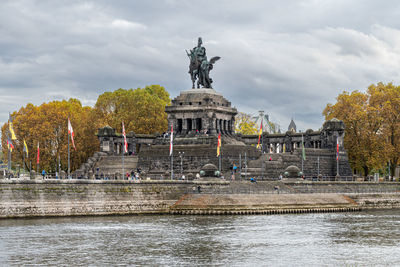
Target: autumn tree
[[386, 101], [47, 125], [142, 110], [372, 122], [244, 124]]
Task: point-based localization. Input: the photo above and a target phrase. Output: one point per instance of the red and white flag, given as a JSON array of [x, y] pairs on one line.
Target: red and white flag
[[71, 132], [124, 134], [38, 154], [219, 145], [337, 148], [171, 142]]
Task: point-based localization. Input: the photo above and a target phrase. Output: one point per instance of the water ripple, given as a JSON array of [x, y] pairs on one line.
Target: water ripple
[[333, 239]]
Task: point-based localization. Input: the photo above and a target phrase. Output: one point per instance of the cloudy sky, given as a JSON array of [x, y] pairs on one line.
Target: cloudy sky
[[289, 58]]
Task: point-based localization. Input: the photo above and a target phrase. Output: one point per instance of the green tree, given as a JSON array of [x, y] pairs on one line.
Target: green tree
[[142, 110]]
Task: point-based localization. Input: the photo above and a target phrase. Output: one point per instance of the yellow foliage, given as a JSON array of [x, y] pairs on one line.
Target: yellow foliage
[[47, 124], [372, 122], [244, 124]]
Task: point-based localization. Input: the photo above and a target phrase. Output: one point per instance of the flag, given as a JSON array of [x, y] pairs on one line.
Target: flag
[[219, 145], [337, 148], [260, 133], [26, 148], [171, 141], [124, 134], [302, 148], [13, 137], [38, 154], [10, 144], [10, 127], [71, 132]]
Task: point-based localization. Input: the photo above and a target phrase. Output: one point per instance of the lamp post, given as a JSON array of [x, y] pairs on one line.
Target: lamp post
[[181, 154], [240, 166], [245, 165], [262, 144]]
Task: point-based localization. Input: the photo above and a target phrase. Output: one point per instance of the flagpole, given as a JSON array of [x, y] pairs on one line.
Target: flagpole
[[9, 144], [240, 165], [9, 154], [123, 167], [262, 154], [302, 152], [219, 162], [37, 159], [245, 165], [69, 166], [23, 161], [59, 167], [337, 156], [171, 151], [172, 166]]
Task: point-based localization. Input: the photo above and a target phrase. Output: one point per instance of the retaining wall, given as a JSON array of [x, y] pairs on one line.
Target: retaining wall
[[32, 198]]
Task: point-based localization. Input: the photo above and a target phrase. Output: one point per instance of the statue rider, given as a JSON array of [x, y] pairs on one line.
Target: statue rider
[[200, 54], [199, 51]]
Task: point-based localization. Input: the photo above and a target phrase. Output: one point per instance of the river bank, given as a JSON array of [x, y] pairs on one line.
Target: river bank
[[47, 198]]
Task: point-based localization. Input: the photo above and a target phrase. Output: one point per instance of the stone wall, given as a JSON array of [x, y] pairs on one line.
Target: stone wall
[[77, 198], [67, 198]]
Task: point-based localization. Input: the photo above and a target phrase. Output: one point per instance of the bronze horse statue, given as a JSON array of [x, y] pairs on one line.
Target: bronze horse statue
[[200, 67]]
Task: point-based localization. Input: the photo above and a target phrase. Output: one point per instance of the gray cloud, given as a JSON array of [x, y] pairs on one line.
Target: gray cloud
[[288, 58]]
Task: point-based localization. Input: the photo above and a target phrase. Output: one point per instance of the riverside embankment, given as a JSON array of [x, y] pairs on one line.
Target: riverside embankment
[[35, 198]]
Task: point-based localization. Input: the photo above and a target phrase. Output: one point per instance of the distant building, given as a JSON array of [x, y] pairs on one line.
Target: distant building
[[292, 127]]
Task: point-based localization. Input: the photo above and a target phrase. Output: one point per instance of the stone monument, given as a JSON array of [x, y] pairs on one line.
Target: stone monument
[[198, 116]]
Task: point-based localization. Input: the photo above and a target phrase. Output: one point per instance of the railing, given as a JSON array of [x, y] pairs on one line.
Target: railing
[[324, 178], [253, 190], [117, 176], [56, 176]]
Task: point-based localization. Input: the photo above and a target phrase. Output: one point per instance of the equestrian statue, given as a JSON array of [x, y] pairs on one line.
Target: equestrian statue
[[200, 67]]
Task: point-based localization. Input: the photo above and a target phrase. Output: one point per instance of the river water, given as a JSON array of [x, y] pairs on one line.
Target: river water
[[367, 238]]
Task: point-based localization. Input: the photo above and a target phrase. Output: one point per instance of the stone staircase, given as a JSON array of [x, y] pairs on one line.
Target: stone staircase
[[102, 163], [113, 164]]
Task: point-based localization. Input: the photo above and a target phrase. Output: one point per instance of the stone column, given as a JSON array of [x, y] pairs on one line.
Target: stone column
[[194, 124], [184, 126], [212, 126]]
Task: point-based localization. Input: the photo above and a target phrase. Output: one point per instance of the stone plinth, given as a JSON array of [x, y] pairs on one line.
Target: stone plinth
[[201, 111]]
